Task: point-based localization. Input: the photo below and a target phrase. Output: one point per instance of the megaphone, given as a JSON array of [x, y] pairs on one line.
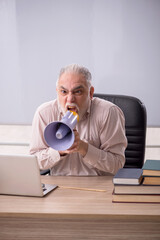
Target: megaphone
[[60, 135]]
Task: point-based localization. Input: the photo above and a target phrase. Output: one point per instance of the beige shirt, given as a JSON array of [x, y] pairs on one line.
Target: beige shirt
[[103, 127]]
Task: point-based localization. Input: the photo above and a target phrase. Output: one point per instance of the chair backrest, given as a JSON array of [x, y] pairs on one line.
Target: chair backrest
[[135, 125]]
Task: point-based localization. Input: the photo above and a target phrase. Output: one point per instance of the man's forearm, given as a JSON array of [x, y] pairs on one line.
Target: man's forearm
[[47, 157]]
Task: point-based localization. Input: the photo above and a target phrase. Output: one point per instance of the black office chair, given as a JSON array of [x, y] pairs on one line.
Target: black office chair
[[45, 172], [135, 125]]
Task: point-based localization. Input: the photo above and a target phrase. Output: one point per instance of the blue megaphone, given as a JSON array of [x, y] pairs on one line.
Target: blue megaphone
[[60, 135]]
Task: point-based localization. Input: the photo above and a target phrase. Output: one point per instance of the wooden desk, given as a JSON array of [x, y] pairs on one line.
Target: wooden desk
[[77, 214]]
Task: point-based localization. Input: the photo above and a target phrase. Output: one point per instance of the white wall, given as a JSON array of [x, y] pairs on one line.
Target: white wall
[[118, 40]]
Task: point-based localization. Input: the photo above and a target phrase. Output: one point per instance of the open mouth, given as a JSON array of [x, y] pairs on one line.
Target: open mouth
[[72, 108]]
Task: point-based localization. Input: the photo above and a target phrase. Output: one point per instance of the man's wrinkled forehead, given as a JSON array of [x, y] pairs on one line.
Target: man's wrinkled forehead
[[72, 79]]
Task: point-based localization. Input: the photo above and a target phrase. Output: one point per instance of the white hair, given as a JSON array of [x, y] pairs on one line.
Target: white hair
[[75, 68]]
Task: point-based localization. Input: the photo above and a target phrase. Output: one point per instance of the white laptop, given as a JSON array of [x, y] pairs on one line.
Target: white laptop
[[20, 175]]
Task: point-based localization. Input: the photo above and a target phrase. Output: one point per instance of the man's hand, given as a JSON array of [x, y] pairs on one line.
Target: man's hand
[[78, 146]]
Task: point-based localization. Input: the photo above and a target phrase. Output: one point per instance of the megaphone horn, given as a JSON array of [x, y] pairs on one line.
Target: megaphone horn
[[60, 135]]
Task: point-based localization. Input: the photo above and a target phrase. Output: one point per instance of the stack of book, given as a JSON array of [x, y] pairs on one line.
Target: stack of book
[[138, 185], [151, 172]]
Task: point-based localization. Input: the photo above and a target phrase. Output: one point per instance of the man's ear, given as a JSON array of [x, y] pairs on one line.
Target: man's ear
[[91, 92]]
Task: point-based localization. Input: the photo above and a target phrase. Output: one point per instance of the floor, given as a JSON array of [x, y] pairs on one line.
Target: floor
[[15, 139]]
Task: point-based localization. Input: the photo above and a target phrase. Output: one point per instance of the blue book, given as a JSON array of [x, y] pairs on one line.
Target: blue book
[[151, 168], [128, 176]]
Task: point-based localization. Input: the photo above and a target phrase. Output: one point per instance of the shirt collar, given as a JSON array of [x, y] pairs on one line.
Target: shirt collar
[[88, 111]]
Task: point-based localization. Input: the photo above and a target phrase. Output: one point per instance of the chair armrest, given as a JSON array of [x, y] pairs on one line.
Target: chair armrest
[[45, 172]]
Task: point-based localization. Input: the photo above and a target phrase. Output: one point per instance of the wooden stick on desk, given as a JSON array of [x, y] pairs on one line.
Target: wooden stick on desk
[[83, 189]]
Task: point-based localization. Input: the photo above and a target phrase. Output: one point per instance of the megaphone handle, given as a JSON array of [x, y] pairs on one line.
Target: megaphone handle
[[62, 131]]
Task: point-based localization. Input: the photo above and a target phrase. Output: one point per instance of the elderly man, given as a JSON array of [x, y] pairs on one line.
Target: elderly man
[[100, 139]]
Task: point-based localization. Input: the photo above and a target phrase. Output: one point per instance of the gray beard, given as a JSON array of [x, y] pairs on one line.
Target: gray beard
[[64, 111]]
